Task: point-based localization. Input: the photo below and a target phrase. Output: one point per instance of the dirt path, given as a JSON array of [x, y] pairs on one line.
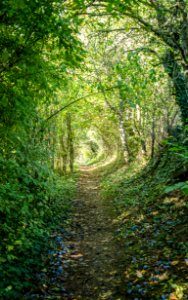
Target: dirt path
[[97, 258]]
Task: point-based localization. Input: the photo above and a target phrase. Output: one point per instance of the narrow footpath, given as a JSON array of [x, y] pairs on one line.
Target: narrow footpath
[[96, 270]]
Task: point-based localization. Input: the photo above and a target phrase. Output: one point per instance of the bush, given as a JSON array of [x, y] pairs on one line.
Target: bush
[[32, 202]]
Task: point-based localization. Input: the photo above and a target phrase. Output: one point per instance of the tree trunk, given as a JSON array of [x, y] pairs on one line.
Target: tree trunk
[[180, 84], [123, 138], [139, 129], [70, 142], [179, 40], [144, 147], [51, 144], [64, 154], [153, 137]]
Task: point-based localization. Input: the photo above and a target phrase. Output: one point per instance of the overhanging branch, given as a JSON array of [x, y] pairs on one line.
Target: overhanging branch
[[78, 100]]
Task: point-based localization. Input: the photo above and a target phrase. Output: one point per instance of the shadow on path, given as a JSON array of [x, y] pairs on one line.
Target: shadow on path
[[96, 264]]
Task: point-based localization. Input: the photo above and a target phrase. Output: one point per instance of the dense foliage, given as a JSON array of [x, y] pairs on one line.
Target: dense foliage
[[37, 42]]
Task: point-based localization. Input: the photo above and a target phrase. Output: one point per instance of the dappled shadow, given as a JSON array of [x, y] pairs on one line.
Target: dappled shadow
[[156, 250], [95, 271], [139, 254]]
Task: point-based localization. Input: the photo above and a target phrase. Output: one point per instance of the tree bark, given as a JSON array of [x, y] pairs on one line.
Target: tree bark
[[70, 142], [173, 69], [123, 138], [153, 137], [140, 130], [64, 154]]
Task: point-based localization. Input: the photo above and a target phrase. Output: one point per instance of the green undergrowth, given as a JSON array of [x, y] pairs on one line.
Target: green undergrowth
[[111, 165], [30, 209], [151, 203], [96, 160]]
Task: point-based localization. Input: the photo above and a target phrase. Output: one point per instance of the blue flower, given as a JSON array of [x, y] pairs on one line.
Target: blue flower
[[133, 228], [155, 279], [141, 291], [130, 284], [134, 259], [145, 267], [60, 270], [58, 239]]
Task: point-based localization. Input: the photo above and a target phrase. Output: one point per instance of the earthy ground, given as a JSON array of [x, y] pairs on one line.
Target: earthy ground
[[102, 256], [96, 258]]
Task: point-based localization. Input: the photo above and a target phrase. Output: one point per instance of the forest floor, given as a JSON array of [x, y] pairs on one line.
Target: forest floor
[[97, 256], [104, 253], [85, 258]]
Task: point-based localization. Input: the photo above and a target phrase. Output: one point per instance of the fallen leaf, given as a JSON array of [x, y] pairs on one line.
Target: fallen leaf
[[76, 256], [173, 297], [139, 274], [175, 262]]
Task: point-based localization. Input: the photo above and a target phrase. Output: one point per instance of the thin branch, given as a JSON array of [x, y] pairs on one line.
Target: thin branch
[[103, 90], [79, 99]]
